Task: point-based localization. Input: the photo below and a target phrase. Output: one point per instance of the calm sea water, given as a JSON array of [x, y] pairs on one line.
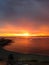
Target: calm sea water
[[29, 44], [39, 45]]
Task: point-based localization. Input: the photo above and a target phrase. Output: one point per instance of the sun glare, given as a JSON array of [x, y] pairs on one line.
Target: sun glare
[[22, 34], [14, 34]]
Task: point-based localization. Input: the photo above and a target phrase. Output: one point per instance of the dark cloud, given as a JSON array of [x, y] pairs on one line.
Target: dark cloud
[[35, 10]]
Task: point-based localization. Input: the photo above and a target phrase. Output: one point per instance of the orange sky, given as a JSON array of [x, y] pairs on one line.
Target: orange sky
[[29, 16], [9, 28]]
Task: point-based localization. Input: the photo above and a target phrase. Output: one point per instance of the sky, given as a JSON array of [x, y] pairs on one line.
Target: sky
[[24, 16], [19, 16]]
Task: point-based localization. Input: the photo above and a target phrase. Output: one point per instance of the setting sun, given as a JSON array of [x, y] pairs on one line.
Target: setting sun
[[23, 34]]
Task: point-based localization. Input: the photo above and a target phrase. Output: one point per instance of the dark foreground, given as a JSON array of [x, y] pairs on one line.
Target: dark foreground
[[12, 58]]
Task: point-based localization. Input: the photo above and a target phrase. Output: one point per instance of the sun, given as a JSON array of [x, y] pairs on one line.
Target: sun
[[23, 34]]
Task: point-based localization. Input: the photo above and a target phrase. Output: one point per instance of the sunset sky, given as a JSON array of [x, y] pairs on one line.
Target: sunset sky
[[25, 17], [18, 16]]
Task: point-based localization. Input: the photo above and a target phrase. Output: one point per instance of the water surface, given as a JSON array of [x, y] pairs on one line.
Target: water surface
[[29, 44]]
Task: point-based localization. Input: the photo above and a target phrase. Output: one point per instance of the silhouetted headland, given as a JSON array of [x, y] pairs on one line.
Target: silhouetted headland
[[4, 42]]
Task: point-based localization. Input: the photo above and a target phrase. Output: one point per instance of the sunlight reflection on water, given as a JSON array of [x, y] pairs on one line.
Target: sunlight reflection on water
[[25, 45]]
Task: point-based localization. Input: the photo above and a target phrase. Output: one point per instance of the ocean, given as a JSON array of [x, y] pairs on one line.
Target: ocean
[[32, 50], [38, 44]]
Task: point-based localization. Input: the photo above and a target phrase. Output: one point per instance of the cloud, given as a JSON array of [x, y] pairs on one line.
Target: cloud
[[16, 11], [17, 8]]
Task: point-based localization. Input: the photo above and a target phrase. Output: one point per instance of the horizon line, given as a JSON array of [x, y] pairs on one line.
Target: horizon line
[[22, 34]]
